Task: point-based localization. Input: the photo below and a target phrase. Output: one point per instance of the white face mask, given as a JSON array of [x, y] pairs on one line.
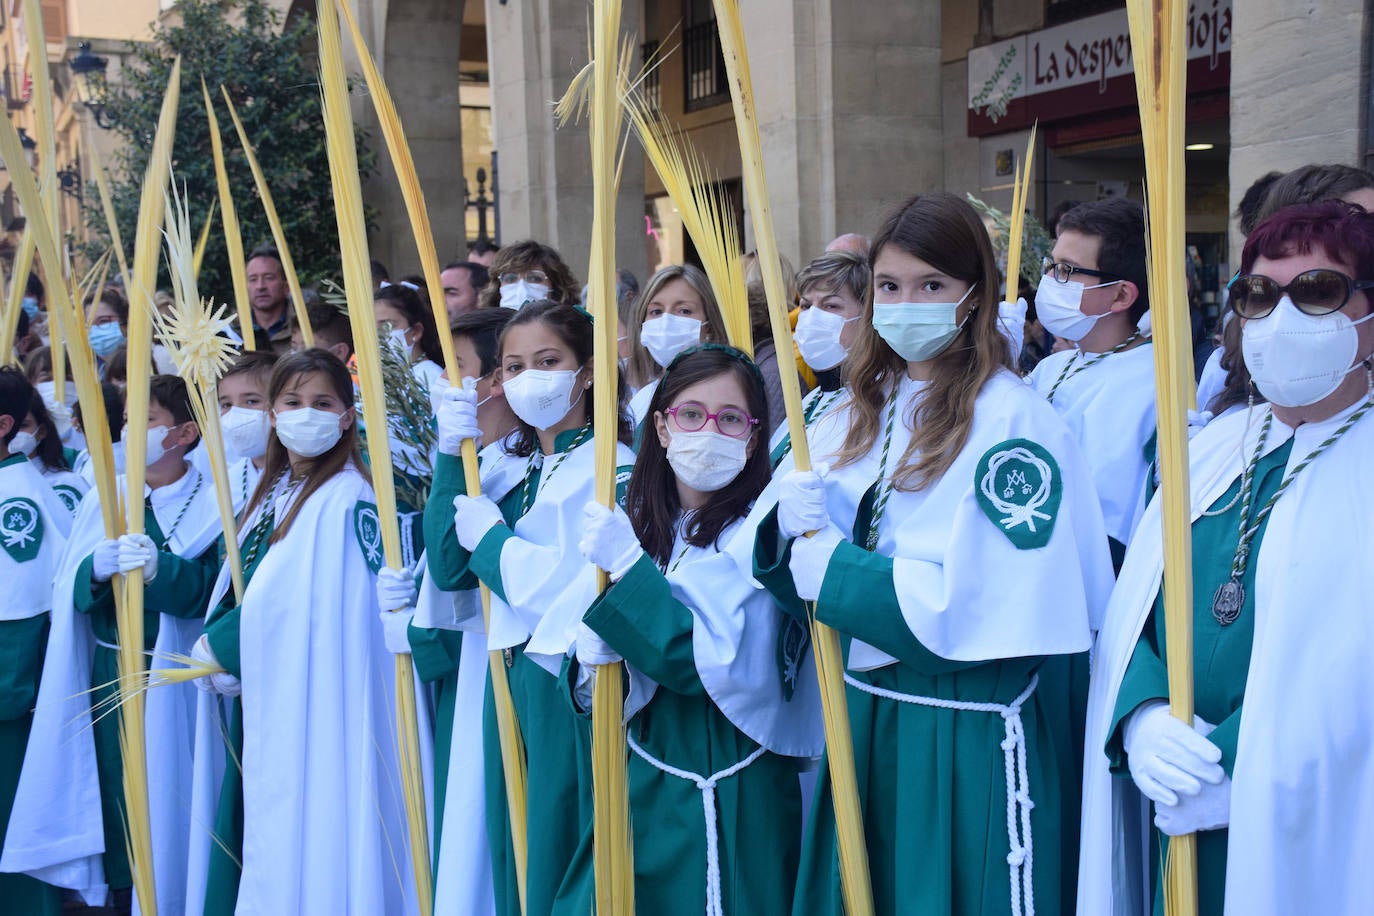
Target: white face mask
[[1297, 359], [155, 436], [1059, 308], [706, 460], [245, 431], [396, 338], [668, 335], [818, 337], [308, 432], [24, 443], [515, 295], [919, 331], [542, 397]]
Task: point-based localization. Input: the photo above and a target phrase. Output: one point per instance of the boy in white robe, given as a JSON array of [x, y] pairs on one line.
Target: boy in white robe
[[1094, 293]]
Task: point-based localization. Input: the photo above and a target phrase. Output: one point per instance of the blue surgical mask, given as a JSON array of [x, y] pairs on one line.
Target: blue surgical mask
[[30, 306], [919, 331], [106, 338]]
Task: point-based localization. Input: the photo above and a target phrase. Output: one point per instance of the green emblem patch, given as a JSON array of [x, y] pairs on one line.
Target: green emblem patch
[[368, 526], [70, 496], [1019, 487], [793, 642], [21, 528]]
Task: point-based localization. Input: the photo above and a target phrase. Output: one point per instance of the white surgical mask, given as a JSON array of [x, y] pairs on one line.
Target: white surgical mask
[[1059, 308], [245, 431], [23, 443], [308, 432], [515, 295], [919, 331], [397, 339], [1297, 359], [818, 338], [668, 335], [542, 397], [706, 460], [155, 450]]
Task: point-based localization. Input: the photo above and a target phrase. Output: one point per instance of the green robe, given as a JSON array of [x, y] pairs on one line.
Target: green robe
[[22, 646], [758, 810], [557, 741], [1221, 663], [932, 782], [435, 653], [180, 589]]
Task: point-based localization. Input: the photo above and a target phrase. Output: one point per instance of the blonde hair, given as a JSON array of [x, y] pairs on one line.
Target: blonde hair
[[945, 232]]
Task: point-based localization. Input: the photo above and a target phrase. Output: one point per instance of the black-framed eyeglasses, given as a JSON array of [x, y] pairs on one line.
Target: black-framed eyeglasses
[[693, 417], [1063, 272], [1314, 292], [529, 276]]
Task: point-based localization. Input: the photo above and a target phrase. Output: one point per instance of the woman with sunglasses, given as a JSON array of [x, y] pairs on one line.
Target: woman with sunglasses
[[520, 539], [721, 684], [1282, 523], [960, 553]]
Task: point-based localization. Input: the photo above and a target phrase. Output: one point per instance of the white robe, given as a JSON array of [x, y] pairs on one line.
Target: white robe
[[1110, 408], [69, 485], [28, 585], [1302, 800], [56, 830], [324, 816]]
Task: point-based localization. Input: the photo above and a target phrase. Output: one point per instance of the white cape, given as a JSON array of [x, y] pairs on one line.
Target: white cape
[[324, 817], [1302, 802], [944, 545], [56, 830], [1110, 409], [736, 630]]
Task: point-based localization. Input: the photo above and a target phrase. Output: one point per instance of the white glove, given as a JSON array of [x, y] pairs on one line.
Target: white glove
[[105, 560], [396, 589], [221, 682], [1197, 421], [1168, 758], [608, 540], [592, 650], [394, 627], [1011, 321], [135, 551], [801, 503], [473, 517], [1210, 809], [455, 412], [810, 557]]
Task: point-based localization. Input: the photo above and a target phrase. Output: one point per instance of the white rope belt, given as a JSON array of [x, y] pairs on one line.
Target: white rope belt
[[707, 785], [1019, 803], [106, 645]]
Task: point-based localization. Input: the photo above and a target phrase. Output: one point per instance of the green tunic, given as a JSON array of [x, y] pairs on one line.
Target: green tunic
[[180, 589], [932, 782], [557, 741], [758, 810], [22, 645], [1221, 662]]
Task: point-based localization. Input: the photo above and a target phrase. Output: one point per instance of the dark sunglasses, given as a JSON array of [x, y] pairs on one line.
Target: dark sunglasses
[[1314, 292]]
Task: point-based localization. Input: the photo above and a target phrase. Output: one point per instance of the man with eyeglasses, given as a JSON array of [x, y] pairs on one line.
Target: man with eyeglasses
[[1093, 292], [1274, 774]]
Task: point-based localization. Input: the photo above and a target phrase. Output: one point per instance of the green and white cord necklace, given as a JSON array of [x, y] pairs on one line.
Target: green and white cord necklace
[[1077, 367], [884, 482]]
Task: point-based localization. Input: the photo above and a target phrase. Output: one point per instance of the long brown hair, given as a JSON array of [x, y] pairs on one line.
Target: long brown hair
[[641, 368], [288, 372], [946, 233]]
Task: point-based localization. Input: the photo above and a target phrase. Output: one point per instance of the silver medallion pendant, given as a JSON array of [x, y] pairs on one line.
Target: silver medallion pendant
[[1227, 602]]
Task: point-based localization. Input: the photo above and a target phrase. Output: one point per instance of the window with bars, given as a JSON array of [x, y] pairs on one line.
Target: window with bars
[[652, 86], [704, 75]]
